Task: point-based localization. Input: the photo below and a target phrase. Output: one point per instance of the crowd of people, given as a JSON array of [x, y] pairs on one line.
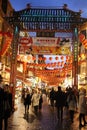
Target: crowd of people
[[35, 99], [71, 99]]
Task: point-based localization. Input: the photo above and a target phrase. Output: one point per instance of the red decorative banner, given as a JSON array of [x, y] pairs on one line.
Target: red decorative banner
[[8, 38], [83, 40]]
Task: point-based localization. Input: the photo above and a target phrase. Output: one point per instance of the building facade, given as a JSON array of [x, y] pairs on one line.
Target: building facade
[[5, 40]]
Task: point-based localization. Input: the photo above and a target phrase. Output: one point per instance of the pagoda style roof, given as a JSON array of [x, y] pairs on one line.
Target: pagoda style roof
[[46, 19]]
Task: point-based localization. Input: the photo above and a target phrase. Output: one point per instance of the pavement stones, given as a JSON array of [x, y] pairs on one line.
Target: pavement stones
[[45, 120]]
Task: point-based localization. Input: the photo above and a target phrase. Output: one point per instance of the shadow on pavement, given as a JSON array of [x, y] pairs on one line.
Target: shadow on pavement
[[29, 117]]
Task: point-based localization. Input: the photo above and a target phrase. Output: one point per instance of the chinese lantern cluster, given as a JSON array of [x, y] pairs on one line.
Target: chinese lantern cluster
[[28, 58]]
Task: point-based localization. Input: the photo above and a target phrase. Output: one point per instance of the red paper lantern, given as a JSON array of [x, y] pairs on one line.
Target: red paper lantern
[[62, 57], [50, 58], [44, 58], [56, 57]]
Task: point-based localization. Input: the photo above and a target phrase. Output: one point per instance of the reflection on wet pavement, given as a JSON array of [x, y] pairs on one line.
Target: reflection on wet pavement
[[45, 120]]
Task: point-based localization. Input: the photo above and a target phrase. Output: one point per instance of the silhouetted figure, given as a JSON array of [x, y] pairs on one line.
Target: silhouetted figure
[[1, 106], [5, 109], [40, 102], [27, 102], [60, 102], [52, 97]]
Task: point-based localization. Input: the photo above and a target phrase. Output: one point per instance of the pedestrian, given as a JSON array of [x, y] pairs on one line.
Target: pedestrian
[[52, 97], [60, 102], [82, 107], [27, 101], [1, 103], [72, 104], [35, 101], [9, 97], [7, 107], [40, 101]]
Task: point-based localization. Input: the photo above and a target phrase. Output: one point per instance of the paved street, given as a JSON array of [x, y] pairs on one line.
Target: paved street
[[45, 120]]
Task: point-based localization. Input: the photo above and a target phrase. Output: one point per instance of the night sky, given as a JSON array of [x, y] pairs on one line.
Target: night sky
[[74, 5]]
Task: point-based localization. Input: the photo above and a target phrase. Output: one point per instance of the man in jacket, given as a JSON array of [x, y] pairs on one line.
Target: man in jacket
[[60, 102]]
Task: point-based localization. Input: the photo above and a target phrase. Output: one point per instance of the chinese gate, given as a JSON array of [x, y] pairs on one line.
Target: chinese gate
[[45, 22]]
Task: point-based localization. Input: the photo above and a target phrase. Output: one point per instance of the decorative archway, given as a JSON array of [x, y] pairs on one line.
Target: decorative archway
[[45, 22]]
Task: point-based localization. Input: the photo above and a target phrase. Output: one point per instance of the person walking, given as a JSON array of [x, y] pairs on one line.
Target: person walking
[[27, 101], [82, 107], [60, 102], [35, 101], [5, 109], [72, 104], [52, 97]]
